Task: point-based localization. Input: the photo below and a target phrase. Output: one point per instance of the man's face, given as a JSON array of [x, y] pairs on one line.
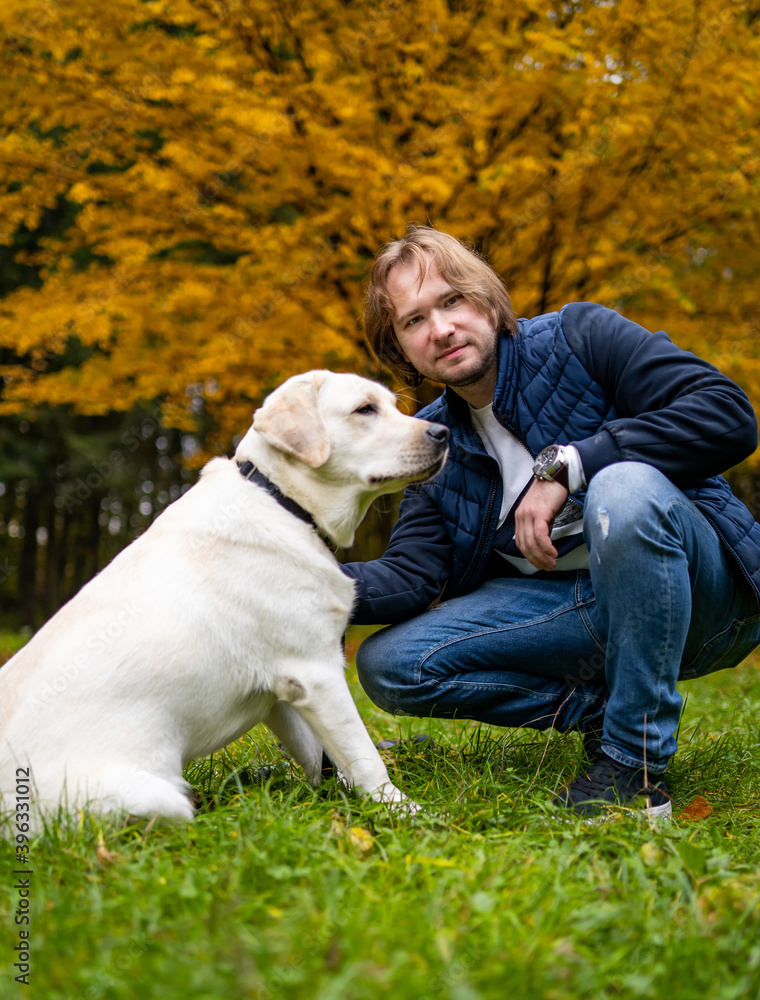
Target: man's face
[[441, 333]]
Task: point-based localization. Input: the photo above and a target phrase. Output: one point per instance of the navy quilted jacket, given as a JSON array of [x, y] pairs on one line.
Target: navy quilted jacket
[[584, 376]]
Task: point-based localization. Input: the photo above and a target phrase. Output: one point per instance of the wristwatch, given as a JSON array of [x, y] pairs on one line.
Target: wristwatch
[[553, 464]]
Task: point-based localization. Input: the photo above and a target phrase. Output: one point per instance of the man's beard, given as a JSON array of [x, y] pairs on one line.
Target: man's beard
[[467, 378]]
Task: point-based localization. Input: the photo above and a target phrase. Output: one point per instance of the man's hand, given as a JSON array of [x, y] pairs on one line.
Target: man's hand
[[533, 522]]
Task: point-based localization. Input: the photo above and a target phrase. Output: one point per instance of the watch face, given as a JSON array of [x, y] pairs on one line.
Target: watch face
[[546, 459]]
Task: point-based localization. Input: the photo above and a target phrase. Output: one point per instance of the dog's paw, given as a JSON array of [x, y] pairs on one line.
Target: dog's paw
[[406, 808], [395, 799]]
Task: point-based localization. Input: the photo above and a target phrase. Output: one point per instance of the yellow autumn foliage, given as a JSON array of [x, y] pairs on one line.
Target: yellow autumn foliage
[[231, 166]]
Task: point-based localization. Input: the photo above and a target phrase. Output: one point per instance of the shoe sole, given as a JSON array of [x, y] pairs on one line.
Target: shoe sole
[[421, 739], [660, 812], [652, 813]]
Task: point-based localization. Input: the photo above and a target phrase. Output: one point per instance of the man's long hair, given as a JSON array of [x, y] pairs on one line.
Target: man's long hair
[[458, 264]]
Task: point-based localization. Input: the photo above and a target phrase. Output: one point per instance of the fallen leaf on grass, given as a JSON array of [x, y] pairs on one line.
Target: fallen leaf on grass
[[104, 856], [698, 808], [650, 853], [361, 839]]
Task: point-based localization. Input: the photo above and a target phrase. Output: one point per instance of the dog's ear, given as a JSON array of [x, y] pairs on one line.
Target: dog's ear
[[291, 421]]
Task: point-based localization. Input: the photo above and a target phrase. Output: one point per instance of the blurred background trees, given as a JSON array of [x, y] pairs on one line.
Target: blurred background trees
[[191, 191]]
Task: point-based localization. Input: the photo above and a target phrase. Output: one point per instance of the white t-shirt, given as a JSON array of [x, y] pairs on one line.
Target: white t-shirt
[[516, 465]]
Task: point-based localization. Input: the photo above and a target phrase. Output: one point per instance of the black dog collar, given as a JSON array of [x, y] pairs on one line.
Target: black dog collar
[[249, 471]]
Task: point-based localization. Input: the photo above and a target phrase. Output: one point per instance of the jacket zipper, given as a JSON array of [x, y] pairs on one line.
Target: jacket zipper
[[484, 534], [489, 510]]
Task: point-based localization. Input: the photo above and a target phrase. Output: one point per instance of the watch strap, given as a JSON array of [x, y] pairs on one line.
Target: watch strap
[[562, 475], [559, 463]]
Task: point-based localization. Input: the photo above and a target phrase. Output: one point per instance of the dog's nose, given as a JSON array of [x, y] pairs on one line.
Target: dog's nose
[[438, 433]]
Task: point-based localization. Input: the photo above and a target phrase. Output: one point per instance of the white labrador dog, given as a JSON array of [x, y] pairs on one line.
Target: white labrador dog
[[228, 611]]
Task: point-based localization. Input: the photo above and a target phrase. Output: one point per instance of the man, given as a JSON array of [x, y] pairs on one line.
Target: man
[[580, 552]]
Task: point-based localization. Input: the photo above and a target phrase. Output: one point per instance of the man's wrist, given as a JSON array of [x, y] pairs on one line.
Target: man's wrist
[[576, 477], [560, 464]]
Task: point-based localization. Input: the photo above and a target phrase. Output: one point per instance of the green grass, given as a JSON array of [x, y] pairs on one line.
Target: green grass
[[10, 642], [279, 891]]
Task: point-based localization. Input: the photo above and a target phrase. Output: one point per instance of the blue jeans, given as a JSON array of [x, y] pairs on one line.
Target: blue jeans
[[662, 600]]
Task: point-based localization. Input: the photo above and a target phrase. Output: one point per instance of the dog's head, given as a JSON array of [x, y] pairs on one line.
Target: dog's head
[[337, 441]]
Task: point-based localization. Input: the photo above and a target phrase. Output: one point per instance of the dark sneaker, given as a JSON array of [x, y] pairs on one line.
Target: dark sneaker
[[419, 738], [607, 784], [592, 739]]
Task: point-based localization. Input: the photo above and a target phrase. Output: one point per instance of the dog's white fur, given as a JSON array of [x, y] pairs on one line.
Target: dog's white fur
[[226, 612]]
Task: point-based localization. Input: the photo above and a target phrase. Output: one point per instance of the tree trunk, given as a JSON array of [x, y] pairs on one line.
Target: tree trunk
[[27, 571]]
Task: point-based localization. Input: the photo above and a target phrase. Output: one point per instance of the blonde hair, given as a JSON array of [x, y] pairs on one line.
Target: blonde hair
[[458, 264]]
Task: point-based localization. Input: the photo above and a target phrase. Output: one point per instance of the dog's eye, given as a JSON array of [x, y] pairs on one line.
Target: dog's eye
[[366, 408]]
